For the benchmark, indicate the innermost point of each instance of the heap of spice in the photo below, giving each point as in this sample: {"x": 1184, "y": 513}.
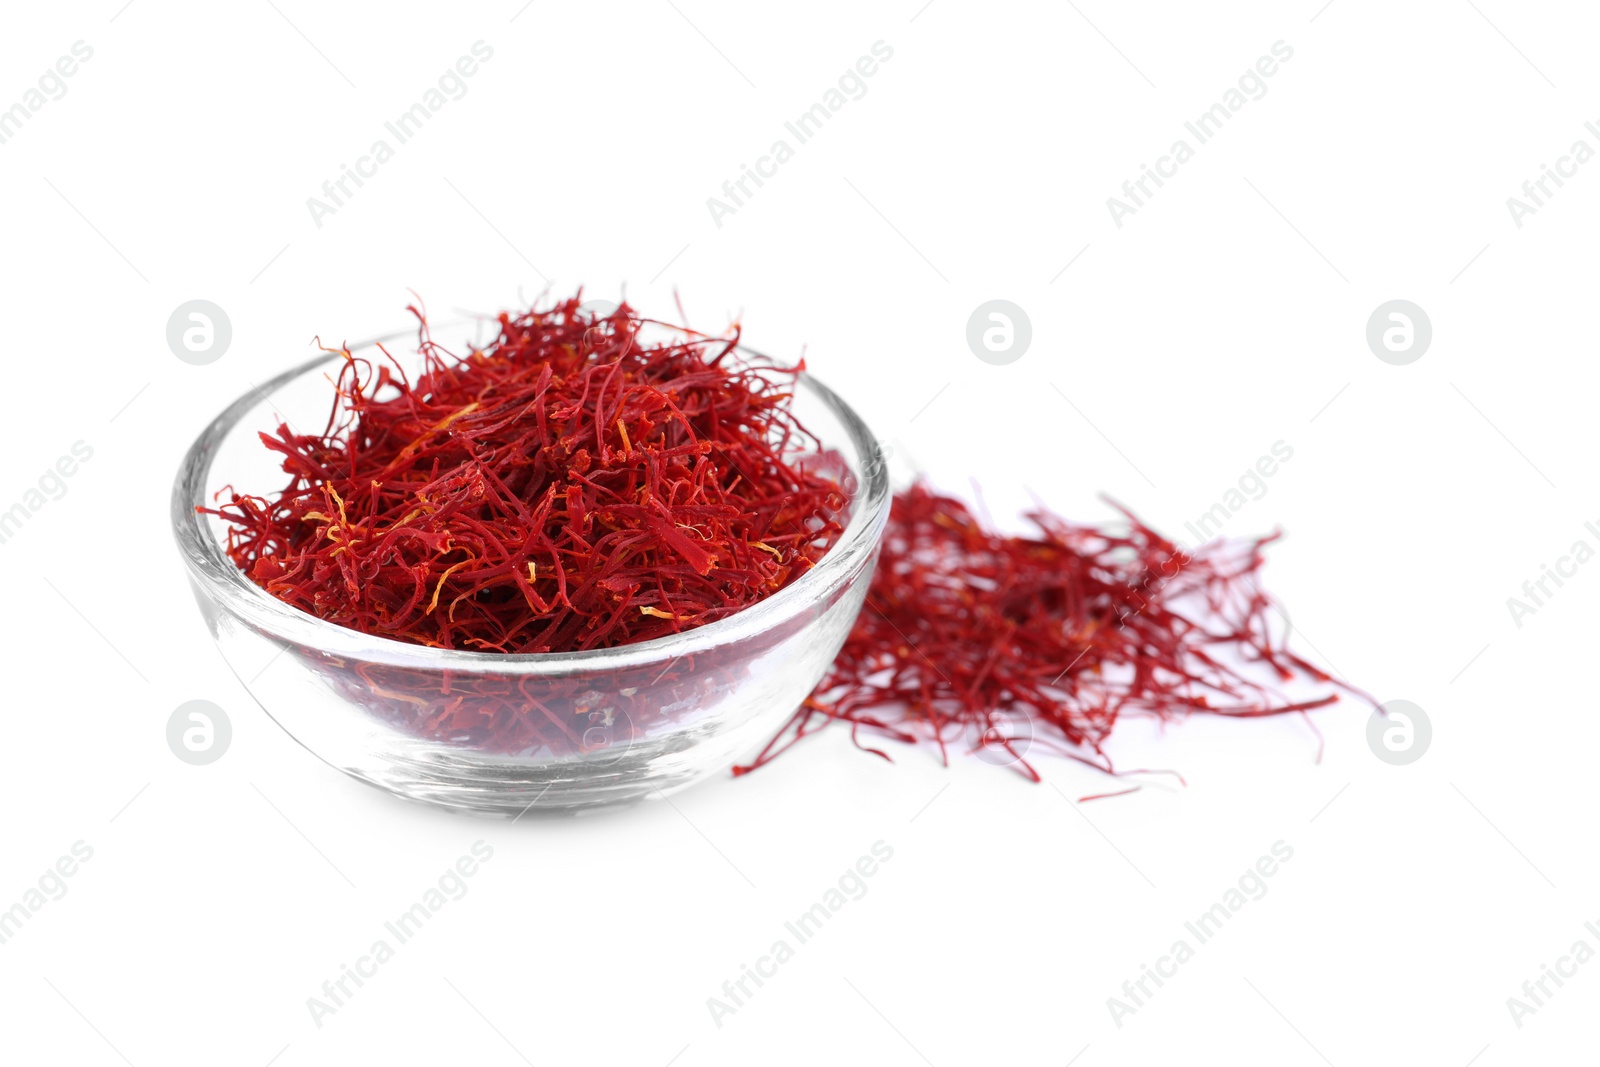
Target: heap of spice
{"x": 1003, "y": 644}
{"x": 571, "y": 487}
{"x": 564, "y": 488}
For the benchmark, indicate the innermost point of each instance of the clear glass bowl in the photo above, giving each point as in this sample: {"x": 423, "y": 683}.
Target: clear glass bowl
{"x": 635, "y": 722}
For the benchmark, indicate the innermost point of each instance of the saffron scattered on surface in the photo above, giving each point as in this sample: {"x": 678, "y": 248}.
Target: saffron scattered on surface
{"x": 1008, "y": 645}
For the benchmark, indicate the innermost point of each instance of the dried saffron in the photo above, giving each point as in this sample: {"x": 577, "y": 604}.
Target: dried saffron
{"x": 571, "y": 486}
{"x": 1002, "y": 643}
{"x": 567, "y": 487}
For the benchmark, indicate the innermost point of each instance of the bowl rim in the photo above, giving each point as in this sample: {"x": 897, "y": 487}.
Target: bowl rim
{"x": 215, "y": 576}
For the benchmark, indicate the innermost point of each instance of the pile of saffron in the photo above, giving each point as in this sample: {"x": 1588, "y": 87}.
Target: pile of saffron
{"x": 571, "y": 487}
{"x": 1004, "y": 645}
{"x": 564, "y": 488}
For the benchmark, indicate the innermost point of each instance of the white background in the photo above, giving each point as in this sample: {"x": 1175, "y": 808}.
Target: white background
{"x": 1227, "y": 314}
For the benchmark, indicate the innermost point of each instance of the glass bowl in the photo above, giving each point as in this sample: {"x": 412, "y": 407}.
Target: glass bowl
{"x": 441, "y": 726}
